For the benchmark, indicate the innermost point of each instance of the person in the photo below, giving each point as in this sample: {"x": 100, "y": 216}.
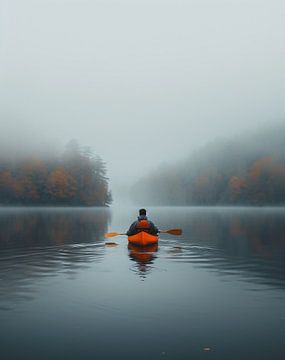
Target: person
{"x": 142, "y": 224}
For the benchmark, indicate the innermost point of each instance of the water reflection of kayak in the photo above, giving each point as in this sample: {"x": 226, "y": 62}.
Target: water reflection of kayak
{"x": 142, "y": 255}
{"x": 143, "y": 239}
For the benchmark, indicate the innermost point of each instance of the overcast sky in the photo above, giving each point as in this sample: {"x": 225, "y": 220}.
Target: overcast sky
{"x": 141, "y": 81}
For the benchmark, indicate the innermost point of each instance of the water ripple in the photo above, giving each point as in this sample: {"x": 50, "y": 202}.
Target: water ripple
{"x": 251, "y": 269}
{"x": 19, "y": 267}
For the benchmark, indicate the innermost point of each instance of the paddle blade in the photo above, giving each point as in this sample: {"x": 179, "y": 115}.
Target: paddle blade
{"x": 173, "y": 231}
{"x": 107, "y": 235}
{"x": 112, "y": 234}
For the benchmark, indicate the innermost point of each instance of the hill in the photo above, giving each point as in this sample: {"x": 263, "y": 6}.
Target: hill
{"x": 245, "y": 170}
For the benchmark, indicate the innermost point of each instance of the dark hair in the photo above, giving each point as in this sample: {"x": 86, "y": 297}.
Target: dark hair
{"x": 142, "y": 211}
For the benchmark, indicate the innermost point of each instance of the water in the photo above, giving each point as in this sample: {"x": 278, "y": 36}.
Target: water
{"x": 217, "y": 292}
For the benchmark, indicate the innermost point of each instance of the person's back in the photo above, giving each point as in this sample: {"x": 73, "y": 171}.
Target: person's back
{"x": 142, "y": 224}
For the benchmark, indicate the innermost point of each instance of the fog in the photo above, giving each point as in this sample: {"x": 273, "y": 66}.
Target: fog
{"x": 141, "y": 82}
{"x": 244, "y": 170}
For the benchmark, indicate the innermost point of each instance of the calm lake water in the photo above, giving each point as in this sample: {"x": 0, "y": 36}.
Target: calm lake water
{"x": 217, "y": 292}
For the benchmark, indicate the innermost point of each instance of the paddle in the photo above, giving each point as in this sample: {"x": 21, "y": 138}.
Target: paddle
{"x": 170, "y": 231}
{"x": 112, "y": 234}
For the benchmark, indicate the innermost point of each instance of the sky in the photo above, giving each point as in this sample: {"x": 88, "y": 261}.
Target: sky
{"x": 141, "y": 82}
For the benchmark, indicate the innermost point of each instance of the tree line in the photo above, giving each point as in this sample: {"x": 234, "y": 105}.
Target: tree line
{"x": 76, "y": 177}
{"x": 245, "y": 171}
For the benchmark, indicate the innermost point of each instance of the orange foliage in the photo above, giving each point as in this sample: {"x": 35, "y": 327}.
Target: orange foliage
{"x": 61, "y": 185}
{"x": 76, "y": 178}
{"x": 6, "y": 178}
{"x": 7, "y": 182}
{"x": 236, "y": 183}
{"x": 260, "y": 166}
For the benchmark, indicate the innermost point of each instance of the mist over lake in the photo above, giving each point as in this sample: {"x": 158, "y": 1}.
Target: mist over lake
{"x": 142, "y": 179}
{"x": 141, "y": 82}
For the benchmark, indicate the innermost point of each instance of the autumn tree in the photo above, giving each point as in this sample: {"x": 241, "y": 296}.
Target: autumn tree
{"x": 61, "y": 186}
{"x": 78, "y": 177}
{"x": 248, "y": 170}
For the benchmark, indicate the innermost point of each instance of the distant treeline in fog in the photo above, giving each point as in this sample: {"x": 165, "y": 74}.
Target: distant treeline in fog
{"x": 246, "y": 170}
{"x": 76, "y": 177}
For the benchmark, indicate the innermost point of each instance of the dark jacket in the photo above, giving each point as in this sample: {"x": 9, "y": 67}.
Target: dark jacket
{"x": 133, "y": 228}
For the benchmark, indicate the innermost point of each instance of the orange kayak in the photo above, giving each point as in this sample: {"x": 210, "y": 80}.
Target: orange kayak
{"x": 143, "y": 239}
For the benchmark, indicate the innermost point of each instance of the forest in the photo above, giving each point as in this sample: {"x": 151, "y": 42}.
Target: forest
{"x": 77, "y": 177}
{"x": 245, "y": 170}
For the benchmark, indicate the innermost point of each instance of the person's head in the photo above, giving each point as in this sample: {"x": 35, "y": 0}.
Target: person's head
{"x": 142, "y": 212}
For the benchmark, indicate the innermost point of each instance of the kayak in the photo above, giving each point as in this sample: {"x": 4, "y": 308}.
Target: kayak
{"x": 143, "y": 239}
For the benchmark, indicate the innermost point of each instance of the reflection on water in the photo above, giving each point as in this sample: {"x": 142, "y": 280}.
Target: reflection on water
{"x": 237, "y": 232}
{"x": 24, "y": 228}
{"x": 220, "y": 286}
{"x": 247, "y": 241}
{"x": 143, "y": 257}
{"x": 39, "y": 242}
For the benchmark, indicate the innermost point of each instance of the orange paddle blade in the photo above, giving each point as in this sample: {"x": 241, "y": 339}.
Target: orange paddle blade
{"x": 112, "y": 234}
{"x": 173, "y": 231}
